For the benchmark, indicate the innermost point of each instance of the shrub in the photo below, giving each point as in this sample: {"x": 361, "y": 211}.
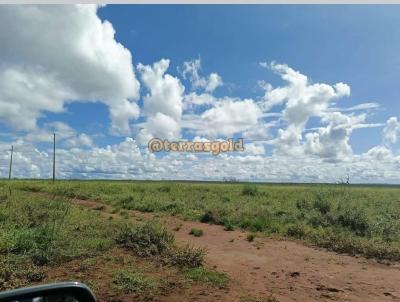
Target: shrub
{"x": 296, "y": 230}
{"x": 250, "y": 190}
{"x": 355, "y": 219}
{"x": 185, "y": 256}
{"x": 343, "y": 242}
{"x": 322, "y": 205}
{"x": 148, "y": 239}
{"x": 387, "y": 227}
{"x": 209, "y": 217}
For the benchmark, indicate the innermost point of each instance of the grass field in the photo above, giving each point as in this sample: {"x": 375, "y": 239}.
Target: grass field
{"x": 40, "y": 236}
{"x": 38, "y": 231}
{"x": 351, "y": 219}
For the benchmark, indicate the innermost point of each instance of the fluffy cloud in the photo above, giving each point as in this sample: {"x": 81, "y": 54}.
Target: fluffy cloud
{"x": 45, "y": 134}
{"x": 193, "y": 99}
{"x": 254, "y": 149}
{"x": 302, "y": 100}
{"x": 229, "y": 117}
{"x": 65, "y": 135}
{"x": 163, "y": 104}
{"x": 53, "y": 55}
{"x": 127, "y": 161}
{"x": 81, "y": 140}
{"x": 391, "y": 132}
{"x": 190, "y": 71}
{"x": 379, "y": 153}
{"x": 332, "y": 142}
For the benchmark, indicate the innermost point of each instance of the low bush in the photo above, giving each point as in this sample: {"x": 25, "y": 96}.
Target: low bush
{"x": 355, "y": 219}
{"x": 250, "y": 190}
{"x": 147, "y": 239}
{"x": 209, "y": 217}
{"x": 185, "y": 256}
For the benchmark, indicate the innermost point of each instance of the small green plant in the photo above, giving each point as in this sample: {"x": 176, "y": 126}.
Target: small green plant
{"x": 250, "y": 190}
{"x": 177, "y": 227}
{"x": 249, "y": 298}
{"x": 229, "y": 227}
{"x": 250, "y": 237}
{"x": 202, "y": 274}
{"x": 196, "y": 232}
{"x": 135, "y": 282}
{"x": 18, "y": 271}
{"x": 127, "y": 202}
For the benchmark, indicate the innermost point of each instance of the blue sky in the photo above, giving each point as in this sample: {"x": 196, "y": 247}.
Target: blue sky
{"x": 358, "y": 45}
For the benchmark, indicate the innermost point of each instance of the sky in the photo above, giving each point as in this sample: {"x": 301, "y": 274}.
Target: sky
{"x": 312, "y": 89}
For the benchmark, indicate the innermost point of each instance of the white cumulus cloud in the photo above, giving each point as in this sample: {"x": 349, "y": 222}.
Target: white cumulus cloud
{"x": 163, "y": 104}
{"x": 391, "y": 132}
{"x": 190, "y": 71}
{"x": 53, "y": 55}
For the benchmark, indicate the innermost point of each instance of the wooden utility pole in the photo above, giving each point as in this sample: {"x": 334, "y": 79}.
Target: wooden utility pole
{"x": 54, "y": 157}
{"x": 9, "y": 172}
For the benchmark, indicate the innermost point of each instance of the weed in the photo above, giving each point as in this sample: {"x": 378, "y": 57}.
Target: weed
{"x": 249, "y": 298}
{"x": 296, "y": 230}
{"x": 250, "y": 190}
{"x": 196, "y": 232}
{"x": 177, "y": 227}
{"x": 202, "y": 274}
{"x": 250, "y": 237}
{"x": 322, "y": 204}
{"x": 99, "y": 208}
{"x": 148, "y": 239}
{"x": 185, "y": 256}
{"x": 229, "y": 227}
{"x": 135, "y": 282}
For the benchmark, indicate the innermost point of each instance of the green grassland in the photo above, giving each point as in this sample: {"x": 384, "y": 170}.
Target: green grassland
{"x": 41, "y": 234}
{"x": 344, "y": 218}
